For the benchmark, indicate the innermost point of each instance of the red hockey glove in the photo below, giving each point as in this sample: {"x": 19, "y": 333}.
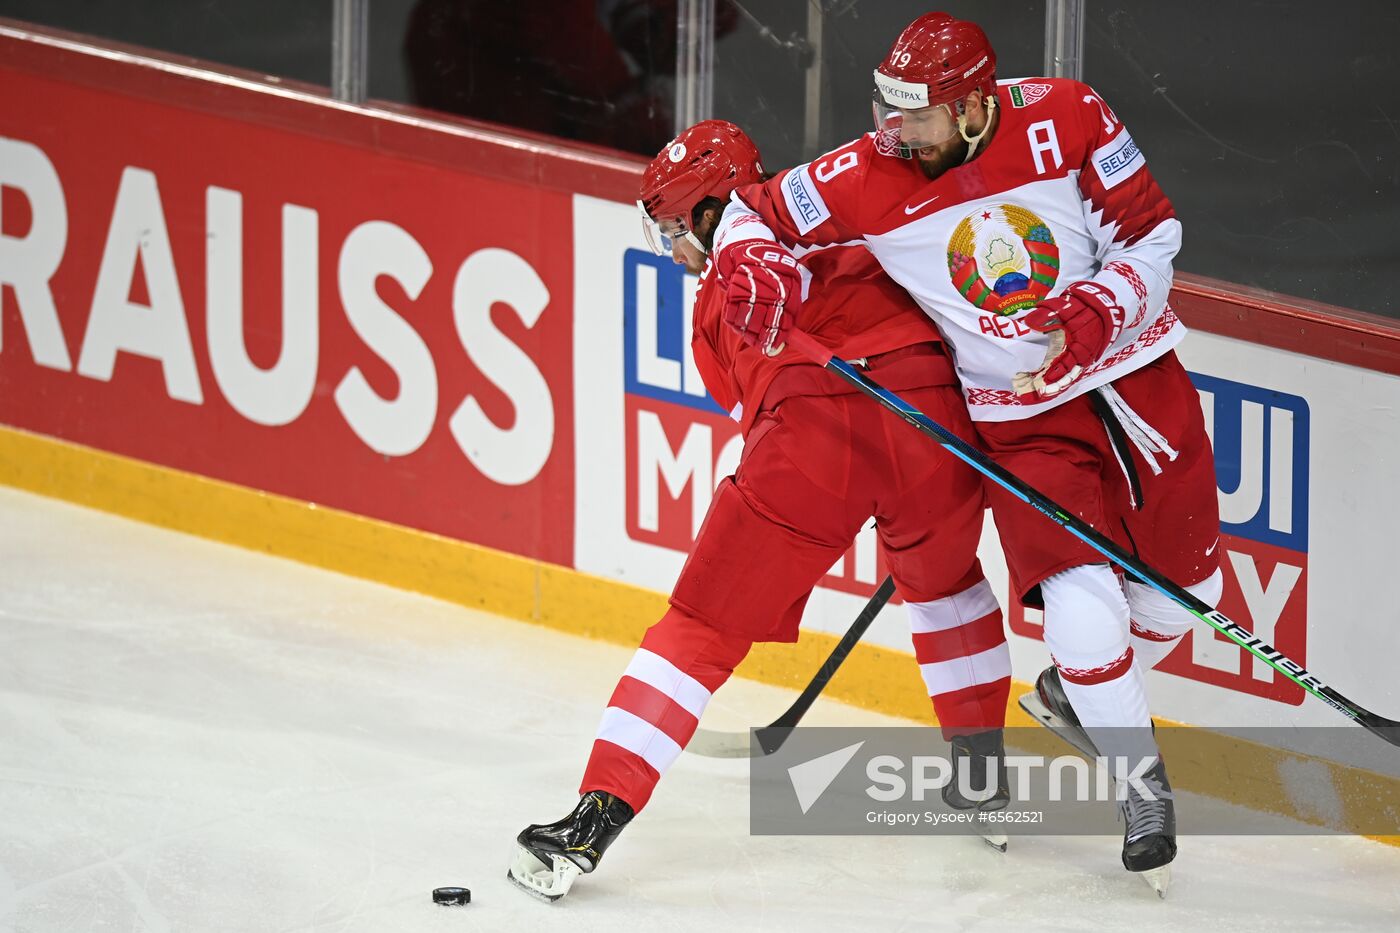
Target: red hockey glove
{"x": 1082, "y": 323}
{"x": 763, "y": 292}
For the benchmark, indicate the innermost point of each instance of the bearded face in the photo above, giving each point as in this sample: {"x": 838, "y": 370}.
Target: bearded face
{"x": 935, "y": 160}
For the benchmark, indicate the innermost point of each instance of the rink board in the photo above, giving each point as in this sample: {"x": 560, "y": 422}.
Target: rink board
{"x": 440, "y": 355}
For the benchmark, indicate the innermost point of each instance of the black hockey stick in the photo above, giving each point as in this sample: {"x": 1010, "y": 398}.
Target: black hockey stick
{"x": 771, "y": 737}
{"x": 1388, "y": 729}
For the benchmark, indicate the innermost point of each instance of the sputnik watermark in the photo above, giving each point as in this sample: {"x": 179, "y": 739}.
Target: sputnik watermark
{"x": 957, "y": 819}
{"x": 1086, "y": 782}
{"x": 910, "y": 780}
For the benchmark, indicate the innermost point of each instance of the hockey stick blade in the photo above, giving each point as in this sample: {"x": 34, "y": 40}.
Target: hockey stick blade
{"x": 714, "y": 744}
{"x": 1387, "y": 729}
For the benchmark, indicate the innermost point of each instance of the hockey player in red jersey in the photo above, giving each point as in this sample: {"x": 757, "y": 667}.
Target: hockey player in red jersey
{"x": 819, "y": 461}
{"x": 1022, "y": 218}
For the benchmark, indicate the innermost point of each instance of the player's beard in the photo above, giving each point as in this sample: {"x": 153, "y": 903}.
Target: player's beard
{"x": 935, "y": 160}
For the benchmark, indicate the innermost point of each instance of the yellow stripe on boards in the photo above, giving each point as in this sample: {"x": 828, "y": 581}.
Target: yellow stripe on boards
{"x": 873, "y": 677}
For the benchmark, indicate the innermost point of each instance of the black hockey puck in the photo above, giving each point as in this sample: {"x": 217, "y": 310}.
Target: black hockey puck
{"x": 451, "y": 896}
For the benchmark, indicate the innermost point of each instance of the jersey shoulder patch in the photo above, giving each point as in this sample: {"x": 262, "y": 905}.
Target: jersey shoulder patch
{"x": 1116, "y": 160}
{"x": 805, "y": 203}
{"x": 1027, "y": 93}
{"x": 1023, "y": 93}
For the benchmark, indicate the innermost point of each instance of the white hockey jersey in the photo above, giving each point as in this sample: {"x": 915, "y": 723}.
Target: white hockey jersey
{"x": 1061, "y": 194}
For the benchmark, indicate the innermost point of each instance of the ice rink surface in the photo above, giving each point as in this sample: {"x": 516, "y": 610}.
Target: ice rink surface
{"x": 199, "y": 738}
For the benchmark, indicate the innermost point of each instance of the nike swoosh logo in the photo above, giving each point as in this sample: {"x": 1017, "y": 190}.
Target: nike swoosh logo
{"x": 912, "y": 209}
{"x": 1211, "y": 550}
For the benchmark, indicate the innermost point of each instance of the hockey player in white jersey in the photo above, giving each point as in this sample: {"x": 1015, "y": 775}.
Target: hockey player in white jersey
{"x": 1022, "y": 218}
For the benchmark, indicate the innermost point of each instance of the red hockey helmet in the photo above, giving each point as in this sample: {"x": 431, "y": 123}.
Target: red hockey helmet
{"x": 708, "y": 160}
{"x": 929, "y": 71}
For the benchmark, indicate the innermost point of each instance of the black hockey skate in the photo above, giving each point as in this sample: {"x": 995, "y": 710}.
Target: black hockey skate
{"x": 980, "y": 756}
{"x": 1050, "y": 707}
{"x": 1149, "y": 836}
{"x": 549, "y": 857}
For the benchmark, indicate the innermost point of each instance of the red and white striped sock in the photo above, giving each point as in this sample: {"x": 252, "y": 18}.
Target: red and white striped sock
{"x": 657, "y": 705}
{"x": 960, "y": 644}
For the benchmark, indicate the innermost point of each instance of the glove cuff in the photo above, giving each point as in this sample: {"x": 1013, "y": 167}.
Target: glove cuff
{"x": 754, "y": 252}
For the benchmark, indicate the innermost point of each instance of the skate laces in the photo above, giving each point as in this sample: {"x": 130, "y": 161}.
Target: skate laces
{"x": 615, "y": 809}
{"x": 1145, "y": 817}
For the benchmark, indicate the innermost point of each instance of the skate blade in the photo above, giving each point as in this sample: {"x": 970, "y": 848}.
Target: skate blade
{"x": 1158, "y": 879}
{"x": 547, "y": 882}
{"x": 1041, "y": 713}
{"x": 997, "y": 841}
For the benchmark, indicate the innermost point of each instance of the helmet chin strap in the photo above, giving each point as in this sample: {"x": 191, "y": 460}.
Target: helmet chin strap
{"x": 974, "y": 141}
{"x": 695, "y": 241}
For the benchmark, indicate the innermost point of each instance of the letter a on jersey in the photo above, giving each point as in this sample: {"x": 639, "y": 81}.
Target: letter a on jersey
{"x": 1042, "y": 139}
